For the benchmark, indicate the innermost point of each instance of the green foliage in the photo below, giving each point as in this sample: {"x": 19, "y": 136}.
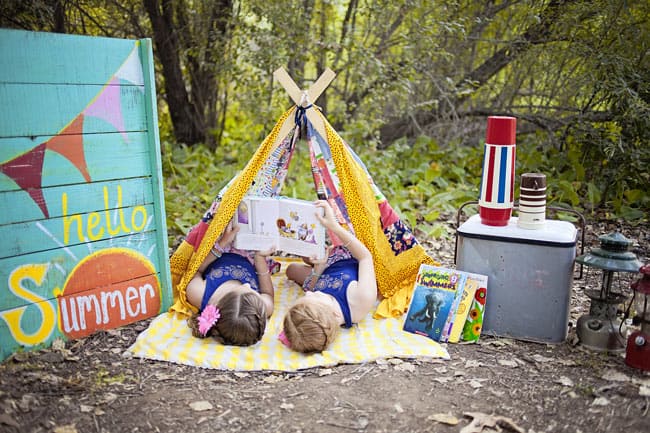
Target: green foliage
{"x": 415, "y": 82}
{"x": 193, "y": 177}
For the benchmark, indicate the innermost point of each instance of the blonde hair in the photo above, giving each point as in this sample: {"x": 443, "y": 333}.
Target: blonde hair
{"x": 242, "y": 321}
{"x": 310, "y": 328}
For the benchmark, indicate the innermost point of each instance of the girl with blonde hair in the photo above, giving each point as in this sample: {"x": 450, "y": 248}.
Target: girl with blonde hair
{"x": 339, "y": 291}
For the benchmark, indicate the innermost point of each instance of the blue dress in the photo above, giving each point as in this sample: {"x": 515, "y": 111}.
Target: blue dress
{"x": 229, "y": 266}
{"x": 335, "y": 281}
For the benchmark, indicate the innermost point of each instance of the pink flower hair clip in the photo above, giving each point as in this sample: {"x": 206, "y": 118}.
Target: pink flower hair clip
{"x": 208, "y": 318}
{"x": 284, "y": 340}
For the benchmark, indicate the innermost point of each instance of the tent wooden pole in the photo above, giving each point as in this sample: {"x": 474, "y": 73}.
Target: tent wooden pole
{"x": 304, "y": 98}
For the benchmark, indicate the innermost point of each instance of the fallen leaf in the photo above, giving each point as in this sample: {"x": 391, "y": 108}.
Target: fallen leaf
{"x": 616, "y": 376}
{"x": 84, "y": 408}
{"x": 6, "y": 419}
{"x": 564, "y": 381}
{"x": 475, "y": 384}
{"x": 20, "y": 356}
{"x": 362, "y": 423}
{"x": 507, "y": 363}
{"x": 443, "y": 418}
{"x": 273, "y": 379}
{"x": 407, "y": 366}
{"x": 199, "y": 406}
{"x": 286, "y": 406}
{"x": 325, "y": 372}
{"x": 481, "y": 420}
{"x": 108, "y": 398}
{"x": 541, "y": 359}
{"x": 68, "y": 428}
{"x": 600, "y": 401}
{"x": 58, "y": 344}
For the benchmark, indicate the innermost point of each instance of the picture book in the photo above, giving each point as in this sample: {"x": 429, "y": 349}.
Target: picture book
{"x": 474, "y": 322}
{"x": 442, "y": 302}
{"x": 286, "y": 223}
{"x": 473, "y": 283}
{"x": 432, "y": 300}
{"x": 451, "y": 316}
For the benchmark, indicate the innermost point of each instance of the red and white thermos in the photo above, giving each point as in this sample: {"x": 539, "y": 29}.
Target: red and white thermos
{"x": 498, "y": 179}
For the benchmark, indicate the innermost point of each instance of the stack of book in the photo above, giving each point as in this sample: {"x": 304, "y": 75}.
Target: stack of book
{"x": 447, "y": 305}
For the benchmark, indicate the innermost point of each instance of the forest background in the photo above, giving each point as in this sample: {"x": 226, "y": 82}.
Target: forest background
{"x": 416, "y": 80}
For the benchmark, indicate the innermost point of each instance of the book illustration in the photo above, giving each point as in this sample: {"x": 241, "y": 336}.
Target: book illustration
{"x": 431, "y": 302}
{"x": 288, "y": 224}
{"x": 242, "y": 213}
{"x": 474, "y": 322}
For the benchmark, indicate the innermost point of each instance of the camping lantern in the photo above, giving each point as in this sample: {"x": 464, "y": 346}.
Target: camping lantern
{"x": 638, "y": 343}
{"x": 598, "y": 330}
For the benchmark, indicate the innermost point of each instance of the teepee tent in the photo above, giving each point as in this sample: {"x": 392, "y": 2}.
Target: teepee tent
{"x": 339, "y": 177}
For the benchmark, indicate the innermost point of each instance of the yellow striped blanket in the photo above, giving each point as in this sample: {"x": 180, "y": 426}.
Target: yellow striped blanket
{"x": 168, "y": 338}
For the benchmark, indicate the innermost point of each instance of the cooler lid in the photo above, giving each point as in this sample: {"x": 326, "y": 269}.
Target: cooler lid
{"x": 553, "y": 233}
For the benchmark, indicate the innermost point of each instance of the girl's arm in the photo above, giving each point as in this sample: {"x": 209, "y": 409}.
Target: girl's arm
{"x": 227, "y": 237}
{"x": 367, "y": 279}
{"x": 354, "y": 245}
{"x": 267, "y": 291}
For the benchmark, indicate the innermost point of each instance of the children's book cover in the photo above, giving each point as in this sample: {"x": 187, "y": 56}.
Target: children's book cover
{"x": 473, "y": 283}
{"x": 474, "y": 322}
{"x": 452, "y": 317}
{"x": 288, "y": 224}
{"x": 432, "y": 300}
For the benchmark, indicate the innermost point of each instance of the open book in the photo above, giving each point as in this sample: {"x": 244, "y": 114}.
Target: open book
{"x": 289, "y": 224}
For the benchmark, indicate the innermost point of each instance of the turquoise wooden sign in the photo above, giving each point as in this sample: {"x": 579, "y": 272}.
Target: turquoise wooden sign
{"x": 82, "y": 220}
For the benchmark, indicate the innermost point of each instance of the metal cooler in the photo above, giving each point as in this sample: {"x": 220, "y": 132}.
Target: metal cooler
{"x": 530, "y": 275}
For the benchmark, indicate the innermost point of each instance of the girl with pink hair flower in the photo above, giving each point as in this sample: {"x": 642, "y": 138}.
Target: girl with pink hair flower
{"x": 234, "y": 293}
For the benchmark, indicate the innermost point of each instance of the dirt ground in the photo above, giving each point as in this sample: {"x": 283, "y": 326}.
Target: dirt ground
{"x": 499, "y": 384}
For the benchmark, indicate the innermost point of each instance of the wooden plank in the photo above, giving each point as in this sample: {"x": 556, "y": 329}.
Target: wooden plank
{"x": 98, "y": 196}
{"x": 58, "y": 265}
{"x": 321, "y": 84}
{"x": 158, "y": 183}
{"x": 55, "y": 58}
{"x": 107, "y": 156}
{"x": 82, "y": 228}
{"x": 28, "y": 110}
{"x": 288, "y": 84}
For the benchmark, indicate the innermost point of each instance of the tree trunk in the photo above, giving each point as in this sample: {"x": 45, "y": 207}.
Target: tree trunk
{"x": 181, "y": 110}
